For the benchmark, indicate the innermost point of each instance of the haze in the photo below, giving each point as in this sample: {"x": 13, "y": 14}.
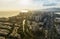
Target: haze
{"x": 9, "y": 5}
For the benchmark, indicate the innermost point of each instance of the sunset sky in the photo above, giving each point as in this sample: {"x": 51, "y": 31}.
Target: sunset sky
{"x": 28, "y": 4}
{"x": 7, "y": 5}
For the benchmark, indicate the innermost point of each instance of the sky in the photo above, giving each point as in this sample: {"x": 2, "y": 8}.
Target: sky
{"x": 28, "y": 4}
{"x": 17, "y": 5}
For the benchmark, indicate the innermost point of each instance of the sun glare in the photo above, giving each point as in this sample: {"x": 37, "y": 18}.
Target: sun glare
{"x": 24, "y": 10}
{"x": 24, "y": 2}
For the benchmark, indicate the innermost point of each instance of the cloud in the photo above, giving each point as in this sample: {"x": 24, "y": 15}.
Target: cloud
{"x": 47, "y": 2}
{"x": 51, "y": 4}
